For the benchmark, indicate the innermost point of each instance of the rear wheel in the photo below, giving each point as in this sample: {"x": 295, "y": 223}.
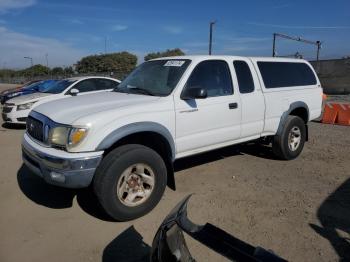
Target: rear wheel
{"x": 130, "y": 181}
{"x": 289, "y": 144}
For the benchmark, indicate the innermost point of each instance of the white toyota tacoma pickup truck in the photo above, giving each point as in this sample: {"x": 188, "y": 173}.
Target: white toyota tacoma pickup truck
{"x": 124, "y": 142}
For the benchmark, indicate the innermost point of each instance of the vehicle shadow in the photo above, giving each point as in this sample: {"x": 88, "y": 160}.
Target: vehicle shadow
{"x": 205, "y": 158}
{"x": 334, "y": 216}
{"x": 128, "y": 246}
{"x": 13, "y": 126}
{"x": 258, "y": 150}
{"x": 37, "y": 190}
{"x": 254, "y": 149}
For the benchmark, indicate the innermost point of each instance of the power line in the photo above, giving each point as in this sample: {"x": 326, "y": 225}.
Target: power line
{"x": 30, "y": 58}
{"x": 299, "y": 39}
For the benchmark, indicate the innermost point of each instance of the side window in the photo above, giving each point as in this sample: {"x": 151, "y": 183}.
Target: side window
{"x": 244, "y": 77}
{"x": 212, "y": 75}
{"x": 86, "y": 86}
{"x": 103, "y": 84}
{"x": 286, "y": 74}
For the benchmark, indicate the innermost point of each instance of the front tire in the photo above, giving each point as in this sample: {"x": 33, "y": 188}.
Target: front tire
{"x": 130, "y": 181}
{"x": 289, "y": 144}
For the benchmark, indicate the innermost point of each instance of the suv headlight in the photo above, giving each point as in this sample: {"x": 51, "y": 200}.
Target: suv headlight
{"x": 25, "y": 106}
{"x": 66, "y": 136}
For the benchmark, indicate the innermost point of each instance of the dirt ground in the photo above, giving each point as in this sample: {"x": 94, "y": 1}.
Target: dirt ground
{"x": 300, "y": 209}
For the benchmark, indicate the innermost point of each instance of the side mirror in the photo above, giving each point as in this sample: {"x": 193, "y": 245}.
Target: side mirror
{"x": 194, "y": 93}
{"x": 74, "y": 91}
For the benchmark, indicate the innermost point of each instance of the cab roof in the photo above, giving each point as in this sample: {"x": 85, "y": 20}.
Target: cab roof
{"x": 229, "y": 57}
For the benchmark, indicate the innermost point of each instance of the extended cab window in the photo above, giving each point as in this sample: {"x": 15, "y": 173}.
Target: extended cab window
{"x": 244, "y": 77}
{"x": 158, "y": 77}
{"x": 286, "y": 74}
{"x": 213, "y": 76}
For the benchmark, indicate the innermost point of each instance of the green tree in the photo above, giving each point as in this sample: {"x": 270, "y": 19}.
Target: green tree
{"x": 119, "y": 63}
{"x": 168, "y": 52}
{"x": 57, "y": 71}
{"x": 69, "y": 70}
{"x": 35, "y": 70}
{"x": 7, "y": 73}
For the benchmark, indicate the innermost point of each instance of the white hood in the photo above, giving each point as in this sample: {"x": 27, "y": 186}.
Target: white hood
{"x": 67, "y": 110}
{"x": 28, "y": 98}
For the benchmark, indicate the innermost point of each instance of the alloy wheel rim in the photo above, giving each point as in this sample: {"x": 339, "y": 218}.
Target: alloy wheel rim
{"x": 135, "y": 185}
{"x": 294, "y": 138}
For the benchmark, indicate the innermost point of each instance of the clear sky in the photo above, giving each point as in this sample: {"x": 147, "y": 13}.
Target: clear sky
{"x": 68, "y": 30}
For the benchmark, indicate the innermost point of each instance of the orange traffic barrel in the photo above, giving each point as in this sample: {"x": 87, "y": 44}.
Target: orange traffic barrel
{"x": 344, "y": 115}
{"x": 330, "y": 114}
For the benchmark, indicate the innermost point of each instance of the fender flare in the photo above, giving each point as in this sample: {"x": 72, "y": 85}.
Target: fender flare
{"x": 134, "y": 128}
{"x": 292, "y": 106}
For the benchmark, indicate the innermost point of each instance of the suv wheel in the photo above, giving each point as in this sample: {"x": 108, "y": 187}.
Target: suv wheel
{"x": 130, "y": 181}
{"x": 289, "y": 144}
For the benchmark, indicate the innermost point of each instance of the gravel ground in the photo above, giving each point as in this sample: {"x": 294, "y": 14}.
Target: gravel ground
{"x": 300, "y": 208}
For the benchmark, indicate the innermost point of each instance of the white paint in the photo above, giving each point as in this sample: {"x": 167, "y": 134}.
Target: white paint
{"x": 41, "y": 98}
{"x": 196, "y": 126}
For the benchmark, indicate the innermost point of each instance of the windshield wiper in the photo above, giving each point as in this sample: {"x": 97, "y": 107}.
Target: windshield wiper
{"x": 137, "y": 89}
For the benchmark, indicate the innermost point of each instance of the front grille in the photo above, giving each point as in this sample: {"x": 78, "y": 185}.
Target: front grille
{"x": 22, "y": 119}
{"x": 35, "y": 128}
{"x": 7, "y": 109}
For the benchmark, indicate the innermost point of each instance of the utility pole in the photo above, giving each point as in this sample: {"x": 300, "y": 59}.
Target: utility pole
{"x": 211, "y": 36}
{"x": 30, "y": 58}
{"x": 47, "y": 60}
{"x": 274, "y": 45}
{"x": 318, "y": 43}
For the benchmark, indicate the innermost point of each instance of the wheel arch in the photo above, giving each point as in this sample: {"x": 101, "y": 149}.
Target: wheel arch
{"x": 149, "y": 134}
{"x": 299, "y": 109}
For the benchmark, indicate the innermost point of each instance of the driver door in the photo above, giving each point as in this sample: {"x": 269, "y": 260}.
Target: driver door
{"x": 204, "y": 124}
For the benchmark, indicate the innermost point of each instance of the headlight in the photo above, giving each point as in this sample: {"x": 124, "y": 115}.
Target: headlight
{"x": 13, "y": 94}
{"x": 25, "y": 106}
{"x": 66, "y": 136}
{"x": 59, "y": 135}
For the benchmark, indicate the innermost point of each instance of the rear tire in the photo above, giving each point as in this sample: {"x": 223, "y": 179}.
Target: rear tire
{"x": 289, "y": 144}
{"x": 130, "y": 181}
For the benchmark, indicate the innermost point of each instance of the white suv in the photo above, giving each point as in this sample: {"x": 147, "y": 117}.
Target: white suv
{"x": 17, "y": 109}
{"x": 126, "y": 141}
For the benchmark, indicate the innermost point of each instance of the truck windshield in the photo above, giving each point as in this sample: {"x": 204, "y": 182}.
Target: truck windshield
{"x": 157, "y": 78}
{"x": 56, "y": 87}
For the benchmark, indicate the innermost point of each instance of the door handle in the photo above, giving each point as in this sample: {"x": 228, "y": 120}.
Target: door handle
{"x": 232, "y": 105}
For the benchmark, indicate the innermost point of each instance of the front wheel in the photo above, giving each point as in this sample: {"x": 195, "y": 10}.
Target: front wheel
{"x": 130, "y": 181}
{"x": 289, "y": 144}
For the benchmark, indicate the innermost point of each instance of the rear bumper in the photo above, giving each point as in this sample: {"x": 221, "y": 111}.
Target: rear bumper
{"x": 57, "y": 167}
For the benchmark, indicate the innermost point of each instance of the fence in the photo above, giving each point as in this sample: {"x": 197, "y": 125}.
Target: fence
{"x": 334, "y": 75}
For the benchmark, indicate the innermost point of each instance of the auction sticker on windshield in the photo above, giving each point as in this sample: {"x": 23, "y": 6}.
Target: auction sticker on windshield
{"x": 174, "y": 63}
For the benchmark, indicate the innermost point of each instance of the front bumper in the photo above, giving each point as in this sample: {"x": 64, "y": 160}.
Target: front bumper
{"x": 11, "y": 115}
{"x": 57, "y": 167}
